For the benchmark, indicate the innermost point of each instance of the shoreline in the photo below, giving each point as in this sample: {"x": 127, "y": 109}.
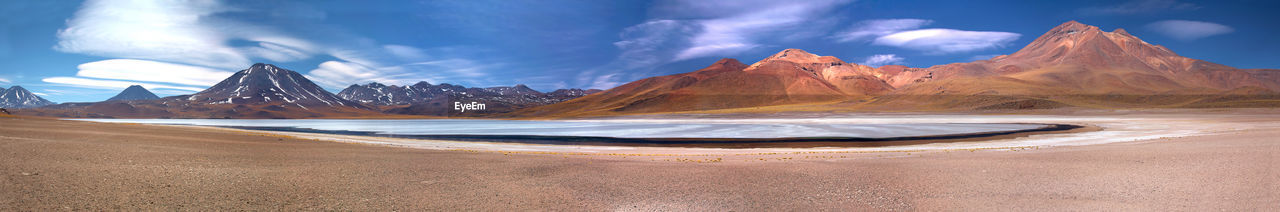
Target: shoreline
{"x": 1097, "y": 130}
{"x": 728, "y": 143}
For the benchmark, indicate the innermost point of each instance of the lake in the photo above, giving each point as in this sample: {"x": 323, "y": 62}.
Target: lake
{"x": 479, "y": 129}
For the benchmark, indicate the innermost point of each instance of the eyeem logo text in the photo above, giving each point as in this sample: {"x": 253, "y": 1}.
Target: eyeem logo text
{"x": 464, "y": 107}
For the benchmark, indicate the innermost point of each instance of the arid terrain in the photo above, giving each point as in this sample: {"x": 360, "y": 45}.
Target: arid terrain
{"x": 1199, "y": 160}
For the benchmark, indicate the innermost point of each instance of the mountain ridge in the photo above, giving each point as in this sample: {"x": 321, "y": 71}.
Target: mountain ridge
{"x": 423, "y": 98}
{"x": 1071, "y": 65}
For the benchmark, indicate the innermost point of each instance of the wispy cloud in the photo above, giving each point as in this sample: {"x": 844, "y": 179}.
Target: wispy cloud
{"x": 870, "y": 29}
{"x": 883, "y": 59}
{"x": 944, "y": 41}
{"x": 196, "y": 39}
{"x": 683, "y": 30}
{"x": 1188, "y": 30}
{"x": 906, "y": 33}
{"x": 152, "y": 71}
{"x": 1139, "y": 7}
{"x": 5, "y": 81}
{"x": 339, "y": 74}
{"x": 111, "y": 84}
{"x": 743, "y": 31}
{"x": 172, "y": 31}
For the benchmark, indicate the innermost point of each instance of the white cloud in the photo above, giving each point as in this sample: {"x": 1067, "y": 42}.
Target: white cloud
{"x": 152, "y": 71}
{"x": 172, "y": 31}
{"x": 758, "y": 21}
{"x": 651, "y": 43}
{"x": 210, "y": 35}
{"x": 5, "y": 81}
{"x": 906, "y": 33}
{"x": 1188, "y": 30}
{"x": 943, "y": 41}
{"x": 340, "y": 74}
{"x": 875, "y": 28}
{"x": 683, "y": 30}
{"x": 111, "y": 84}
{"x": 1139, "y": 6}
{"x": 883, "y": 59}
{"x": 406, "y": 52}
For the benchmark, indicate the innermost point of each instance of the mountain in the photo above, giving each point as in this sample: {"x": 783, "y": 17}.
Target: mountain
{"x": 426, "y": 99}
{"x": 18, "y": 97}
{"x": 1075, "y": 58}
{"x": 791, "y": 76}
{"x": 571, "y": 93}
{"x": 134, "y": 92}
{"x": 268, "y": 84}
{"x": 1071, "y": 65}
{"x": 261, "y": 91}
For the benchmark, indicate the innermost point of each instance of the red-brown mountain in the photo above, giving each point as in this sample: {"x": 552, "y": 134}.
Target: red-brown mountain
{"x": 1071, "y": 65}
{"x": 788, "y": 77}
{"x": 1075, "y": 58}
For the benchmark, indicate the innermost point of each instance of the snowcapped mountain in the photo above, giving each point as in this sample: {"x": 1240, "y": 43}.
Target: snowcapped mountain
{"x": 426, "y": 99}
{"x": 571, "y": 93}
{"x": 379, "y": 94}
{"x": 261, "y": 91}
{"x": 18, "y": 97}
{"x": 268, "y": 84}
{"x": 134, "y": 92}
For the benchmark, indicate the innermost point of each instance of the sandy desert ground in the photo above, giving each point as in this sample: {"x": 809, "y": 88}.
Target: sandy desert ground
{"x": 1165, "y": 160}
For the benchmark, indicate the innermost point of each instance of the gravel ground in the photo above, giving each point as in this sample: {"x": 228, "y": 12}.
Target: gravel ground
{"x": 69, "y": 165}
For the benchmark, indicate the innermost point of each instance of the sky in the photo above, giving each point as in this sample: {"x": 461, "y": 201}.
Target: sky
{"x": 85, "y": 51}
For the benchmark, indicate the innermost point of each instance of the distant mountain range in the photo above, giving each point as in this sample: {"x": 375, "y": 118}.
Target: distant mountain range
{"x": 134, "y": 92}
{"x": 267, "y": 91}
{"x": 1071, "y": 65}
{"x": 426, "y": 99}
{"x": 18, "y": 97}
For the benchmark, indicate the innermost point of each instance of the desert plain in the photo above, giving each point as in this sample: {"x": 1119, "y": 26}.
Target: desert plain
{"x": 1191, "y": 159}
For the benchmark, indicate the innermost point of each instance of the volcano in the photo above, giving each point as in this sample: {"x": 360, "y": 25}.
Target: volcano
{"x": 261, "y": 91}
{"x": 1075, "y": 58}
{"x": 134, "y": 92}
{"x": 267, "y": 84}
{"x": 18, "y": 97}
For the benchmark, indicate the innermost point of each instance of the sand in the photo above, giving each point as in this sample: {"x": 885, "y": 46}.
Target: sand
{"x": 1223, "y": 161}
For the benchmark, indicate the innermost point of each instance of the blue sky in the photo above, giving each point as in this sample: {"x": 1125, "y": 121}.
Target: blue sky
{"x": 76, "y": 51}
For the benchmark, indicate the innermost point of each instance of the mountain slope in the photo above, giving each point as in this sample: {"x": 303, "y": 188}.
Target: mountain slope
{"x": 788, "y": 77}
{"x": 18, "y": 97}
{"x": 1075, "y": 58}
{"x": 268, "y": 84}
{"x": 134, "y": 92}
